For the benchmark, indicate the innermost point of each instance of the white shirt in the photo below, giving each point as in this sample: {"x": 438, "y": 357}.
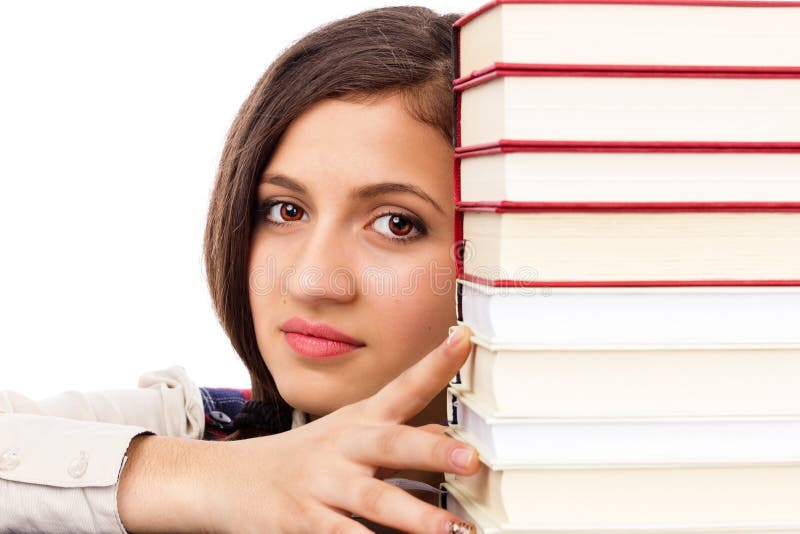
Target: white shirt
{"x": 60, "y": 458}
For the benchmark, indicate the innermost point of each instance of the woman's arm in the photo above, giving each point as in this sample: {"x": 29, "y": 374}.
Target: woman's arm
{"x": 309, "y": 479}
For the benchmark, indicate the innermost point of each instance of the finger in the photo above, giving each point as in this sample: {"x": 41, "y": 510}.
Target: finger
{"x": 392, "y": 507}
{"x": 405, "y": 447}
{"x": 413, "y": 390}
{"x": 310, "y": 516}
{"x": 434, "y": 428}
{"x": 327, "y": 520}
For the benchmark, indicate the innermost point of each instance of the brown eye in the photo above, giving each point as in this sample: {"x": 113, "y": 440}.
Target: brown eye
{"x": 400, "y": 226}
{"x": 290, "y": 212}
{"x": 285, "y": 212}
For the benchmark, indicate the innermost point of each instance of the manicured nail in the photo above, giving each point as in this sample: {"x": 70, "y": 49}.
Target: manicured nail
{"x": 461, "y": 457}
{"x": 456, "y": 333}
{"x": 459, "y": 527}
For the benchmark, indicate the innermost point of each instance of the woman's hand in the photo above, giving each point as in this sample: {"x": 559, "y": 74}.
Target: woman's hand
{"x": 309, "y": 479}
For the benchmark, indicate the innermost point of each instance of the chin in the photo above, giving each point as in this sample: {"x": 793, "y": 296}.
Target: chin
{"x": 318, "y": 399}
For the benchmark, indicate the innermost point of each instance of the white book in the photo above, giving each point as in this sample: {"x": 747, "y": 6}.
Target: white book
{"x": 459, "y": 503}
{"x": 619, "y": 499}
{"x": 644, "y": 33}
{"x": 629, "y": 109}
{"x": 608, "y": 176}
{"x": 622, "y": 383}
{"x": 585, "y": 441}
{"x": 632, "y": 317}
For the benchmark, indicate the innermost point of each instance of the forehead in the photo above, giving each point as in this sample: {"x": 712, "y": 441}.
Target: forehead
{"x": 336, "y": 143}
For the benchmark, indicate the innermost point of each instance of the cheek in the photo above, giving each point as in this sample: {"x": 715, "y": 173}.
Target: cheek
{"x": 260, "y": 280}
{"x": 418, "y": 317}
{"x": 266, "y": 285}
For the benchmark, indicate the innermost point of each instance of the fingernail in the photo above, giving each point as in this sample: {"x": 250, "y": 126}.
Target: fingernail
{"x": 456, "y": 333}
{"x": 461, "y": 457}
{"x": 459, "y": 527}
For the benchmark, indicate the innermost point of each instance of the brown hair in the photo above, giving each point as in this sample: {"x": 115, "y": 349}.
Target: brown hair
{"x": 403, "y": 50}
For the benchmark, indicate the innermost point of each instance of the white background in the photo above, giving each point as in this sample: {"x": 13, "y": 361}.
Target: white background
{"x": 112, "y": 120}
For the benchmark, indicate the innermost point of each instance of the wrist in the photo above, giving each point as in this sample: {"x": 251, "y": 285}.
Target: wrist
{"x": 163, "y": 486}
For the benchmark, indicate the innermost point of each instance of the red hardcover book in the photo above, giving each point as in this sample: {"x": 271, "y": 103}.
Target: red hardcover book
{"x": 511, "y": 173}
{"x": 610, "y": 106}
{"x": 629, "y": 244}
{"x": 625, "y": 33}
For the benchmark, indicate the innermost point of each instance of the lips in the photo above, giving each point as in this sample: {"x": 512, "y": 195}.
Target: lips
{"x": 317, "y": 340}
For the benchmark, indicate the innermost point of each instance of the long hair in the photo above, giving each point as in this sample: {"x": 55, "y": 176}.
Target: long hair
{"x": 397, "y": 50}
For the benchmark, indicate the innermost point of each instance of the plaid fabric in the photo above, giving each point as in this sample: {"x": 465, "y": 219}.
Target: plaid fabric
{"x": 221, "y": 406}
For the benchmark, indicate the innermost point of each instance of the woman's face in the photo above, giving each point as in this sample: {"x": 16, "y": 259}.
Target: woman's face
{"x": 351, "y": 276}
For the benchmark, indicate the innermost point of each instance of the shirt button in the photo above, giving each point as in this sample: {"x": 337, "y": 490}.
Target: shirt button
{"x": 10, "y": 459}
{"x": 221, "y": 417}
{"x": 77, "y": 467}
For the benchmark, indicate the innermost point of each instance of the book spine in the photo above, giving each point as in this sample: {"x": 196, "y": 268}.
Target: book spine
{"x": 457, "y": 180}
{"x": 459, "y": 301}
{"x": 457, "y": 115}
{"x": 456, "y": 53}
{"x": 443, "y": 496}
{"x": 460, "y": 247}
{"x": 456, "y": 380}
{"x": 452, "y": 407}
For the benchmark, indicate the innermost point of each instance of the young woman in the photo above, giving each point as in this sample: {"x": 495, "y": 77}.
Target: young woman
{"x": 328, "y": 254}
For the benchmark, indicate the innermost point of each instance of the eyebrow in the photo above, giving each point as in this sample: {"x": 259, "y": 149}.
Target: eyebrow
{"x": 367, "y": 191}
{"x": 373, "y": 190}
{"x": 283, "y": 181}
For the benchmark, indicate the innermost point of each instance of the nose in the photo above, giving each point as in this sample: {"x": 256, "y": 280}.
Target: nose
{"x": 325, "y": 266}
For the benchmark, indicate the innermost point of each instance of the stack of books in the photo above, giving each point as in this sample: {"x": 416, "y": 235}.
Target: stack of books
{"x": 627, "y": 186}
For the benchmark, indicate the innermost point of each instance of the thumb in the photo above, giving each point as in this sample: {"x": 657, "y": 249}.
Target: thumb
{"x": 413, "y": 390}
